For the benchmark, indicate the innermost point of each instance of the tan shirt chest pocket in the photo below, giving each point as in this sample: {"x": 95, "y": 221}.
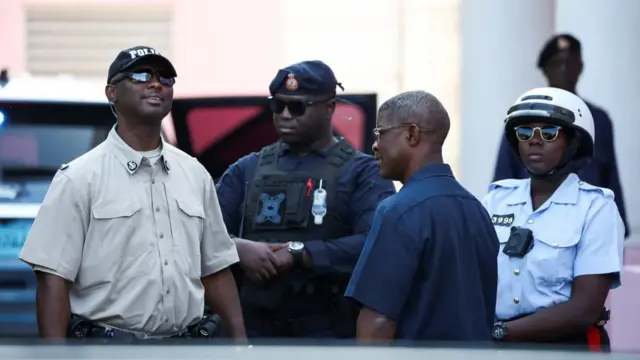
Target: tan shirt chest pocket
{"x": 117, "y": 244}
{"x": 551, "y": 259}
{"x": 187, "y": 223}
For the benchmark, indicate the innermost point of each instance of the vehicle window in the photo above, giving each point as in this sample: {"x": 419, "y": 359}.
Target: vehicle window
{"x": 46, "y": 145}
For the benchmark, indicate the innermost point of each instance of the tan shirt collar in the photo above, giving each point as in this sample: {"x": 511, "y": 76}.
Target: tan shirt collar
{"x": 130, "y": 158}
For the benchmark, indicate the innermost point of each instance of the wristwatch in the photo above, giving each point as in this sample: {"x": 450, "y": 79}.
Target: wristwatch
{"x": 296, "y": 249}
{"x": 499, "y": 331}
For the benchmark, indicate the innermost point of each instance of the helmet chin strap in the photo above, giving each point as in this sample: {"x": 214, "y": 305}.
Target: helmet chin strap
{"x": 566, "y": 164}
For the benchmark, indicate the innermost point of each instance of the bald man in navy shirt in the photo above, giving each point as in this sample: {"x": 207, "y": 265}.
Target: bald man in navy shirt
{"x": 428, "y": 271}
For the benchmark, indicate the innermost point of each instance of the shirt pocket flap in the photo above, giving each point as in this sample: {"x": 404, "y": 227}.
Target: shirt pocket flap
{"x": 115, "y": 210}
{"x": 557, "y": 239}
{"x": 190, "y": 207}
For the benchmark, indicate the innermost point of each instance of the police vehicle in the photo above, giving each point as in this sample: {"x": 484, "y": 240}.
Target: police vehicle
{"x": 44, "y": 122}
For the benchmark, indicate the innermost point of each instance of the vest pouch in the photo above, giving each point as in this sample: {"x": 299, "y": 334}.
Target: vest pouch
{"x": 284, "y": 203}
{"x": 266, "y": 296}
{"x": 299, "y": 208}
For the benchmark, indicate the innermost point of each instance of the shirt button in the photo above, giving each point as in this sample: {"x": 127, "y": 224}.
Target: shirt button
{"x": 166, "y": 319}
{"x": 168, "y": 291}
{"x": 530, "y": 221}
{"x": 161, "y": 235}
{"x": 516, "y": 272}
{"x": 580, "y": 182}
{"x": 166, "y": 262}
{"x": 157, "y": 208}
{"x": 153, "y": 181}
{"x": 516, "y": 300}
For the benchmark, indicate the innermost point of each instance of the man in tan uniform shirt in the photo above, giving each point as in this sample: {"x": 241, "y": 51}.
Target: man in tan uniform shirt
{"x": 130, "y": 235}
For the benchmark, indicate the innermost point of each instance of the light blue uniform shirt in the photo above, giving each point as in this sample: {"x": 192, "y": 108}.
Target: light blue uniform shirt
{"x": 577, "y": 231}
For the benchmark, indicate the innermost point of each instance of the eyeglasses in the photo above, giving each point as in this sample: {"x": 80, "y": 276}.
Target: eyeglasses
{"x": 379, "y": 131}
{"x": 547, "y": 133}
{"x": 145, "y": 76}
{"x": 296, "y": 107}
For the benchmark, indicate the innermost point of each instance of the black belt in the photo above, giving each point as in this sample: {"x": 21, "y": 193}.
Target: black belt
{"x": 81, "y": 328}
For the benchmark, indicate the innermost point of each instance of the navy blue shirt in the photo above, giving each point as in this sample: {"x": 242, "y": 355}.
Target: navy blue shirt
{"x": 359, "y": 190}
{"x": 429, "y": 262}
{"x": 602, "y": 171}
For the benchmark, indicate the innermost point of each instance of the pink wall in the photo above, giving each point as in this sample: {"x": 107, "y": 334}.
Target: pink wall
{"x": 12, "y": 53}
{"x": 624, "y": 302}
{"x": 209, "y": 61}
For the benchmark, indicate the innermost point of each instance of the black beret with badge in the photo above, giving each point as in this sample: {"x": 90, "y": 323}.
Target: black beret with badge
{"x": 558, "y": 43}
{"x": 307, "y": 78}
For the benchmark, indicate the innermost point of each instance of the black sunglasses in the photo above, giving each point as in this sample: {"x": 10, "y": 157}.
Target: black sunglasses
{"x": 145, "y": 76}
{"x": 296, "y": 107}
{"x": 547, "y": 133}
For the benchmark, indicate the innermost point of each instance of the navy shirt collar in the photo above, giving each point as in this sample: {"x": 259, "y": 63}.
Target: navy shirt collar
{"x": 429, "y": 171}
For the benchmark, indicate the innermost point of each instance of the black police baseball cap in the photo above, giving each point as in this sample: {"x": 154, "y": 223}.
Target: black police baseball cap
{"x": 129, "y": 58}
{"x": 307, "y": 78}
{"x": 558, "y": 43}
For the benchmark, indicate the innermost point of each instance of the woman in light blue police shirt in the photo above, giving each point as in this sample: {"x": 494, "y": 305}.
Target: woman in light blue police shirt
{"x": 561, "y": 238}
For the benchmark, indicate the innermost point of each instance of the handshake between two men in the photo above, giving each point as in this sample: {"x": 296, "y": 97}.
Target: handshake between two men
{"x": 262, "y": 262}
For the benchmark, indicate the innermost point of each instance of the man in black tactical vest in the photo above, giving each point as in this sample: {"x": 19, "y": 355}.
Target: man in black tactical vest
{"x": 301, "y": 209}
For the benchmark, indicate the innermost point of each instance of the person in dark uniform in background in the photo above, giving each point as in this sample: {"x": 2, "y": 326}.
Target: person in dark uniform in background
{"x": 299, "y": 210}
{"x": 428, "y": 270}
{"x": 561, "y": 63}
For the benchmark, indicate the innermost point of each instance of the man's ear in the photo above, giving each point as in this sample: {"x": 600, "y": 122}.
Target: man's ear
{"x": 331, "y": 108}
{"x": 580, "y": 67}
{"x": 110, "y": 93}
{"x": 413, "y": 135}
{"x": 545, "y": 73}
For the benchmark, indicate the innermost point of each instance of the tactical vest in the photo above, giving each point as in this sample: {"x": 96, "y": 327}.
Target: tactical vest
{"x": 279, "y": 202}
{"x": 278, "y": 209}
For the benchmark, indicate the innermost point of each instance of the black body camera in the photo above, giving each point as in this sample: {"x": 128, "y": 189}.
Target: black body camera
{"x": 519, "y": 243}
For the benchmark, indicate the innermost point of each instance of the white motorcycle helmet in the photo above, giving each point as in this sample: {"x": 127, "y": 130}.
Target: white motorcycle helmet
{"x": 556, "y": 107}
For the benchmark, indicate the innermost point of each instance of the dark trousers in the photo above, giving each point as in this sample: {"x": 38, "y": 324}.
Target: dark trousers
{"x": 270, "y": 325}
{"x": 311, "y": 310}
